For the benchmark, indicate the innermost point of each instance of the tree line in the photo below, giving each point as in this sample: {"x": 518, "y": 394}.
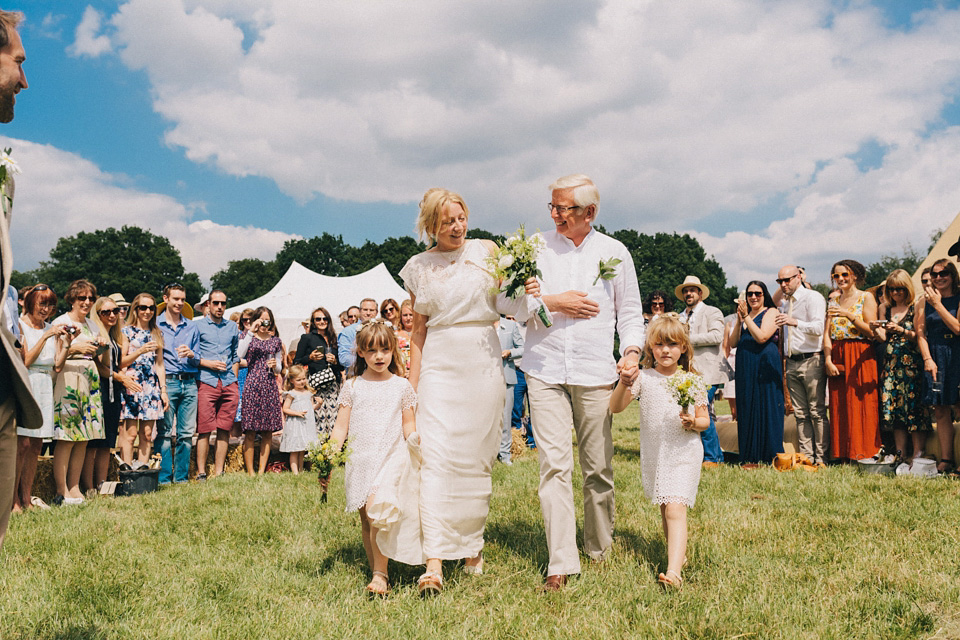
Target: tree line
{"x": 131, "y": 260}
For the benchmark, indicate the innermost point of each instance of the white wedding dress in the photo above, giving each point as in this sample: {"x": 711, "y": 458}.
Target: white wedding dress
{"x": 460, "y": 393}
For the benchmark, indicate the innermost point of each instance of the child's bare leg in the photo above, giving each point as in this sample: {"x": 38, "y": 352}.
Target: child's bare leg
{"x": 294, "y": 466}
{"x": 675, "y": 528}
{"x": 377, "y": 561}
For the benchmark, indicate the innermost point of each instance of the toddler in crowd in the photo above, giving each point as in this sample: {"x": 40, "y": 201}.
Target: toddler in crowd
{"x": 670, "y": 449}
{"x": 299, "y": 426}
{"x": 376, "y": 407}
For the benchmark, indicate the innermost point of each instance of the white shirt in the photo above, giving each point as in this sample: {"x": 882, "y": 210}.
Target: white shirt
{"x": 809, "y": 310}
{"x": 579, "y": 351}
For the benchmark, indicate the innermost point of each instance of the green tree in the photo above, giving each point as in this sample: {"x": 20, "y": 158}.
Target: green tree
{"x": 245, "y": 279}
{"x": 665, "y": 259}
{"x": 392, "y": 252}
{"x": 20, "y": 279}
{"x": 128, "y": 261}
{"x": 486, "y": 235}
{"x": 909, "y": 261}
{"x": 325, "y": 254}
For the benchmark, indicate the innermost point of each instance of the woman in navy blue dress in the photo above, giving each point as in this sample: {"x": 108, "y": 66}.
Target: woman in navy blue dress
{"x": 759, "y": 379}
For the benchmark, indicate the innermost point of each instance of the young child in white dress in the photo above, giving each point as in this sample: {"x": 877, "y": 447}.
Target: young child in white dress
{"x": 299, "y": 424}
{"x": 375, "y": 408}
{"x": 670, "y": 449}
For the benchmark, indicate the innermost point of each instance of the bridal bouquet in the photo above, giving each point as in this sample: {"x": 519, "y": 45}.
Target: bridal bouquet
{"x": 8, "y": 167}
{"x": 685, "y": 387}
{"x": 324, "y": 456}
{"x": 513, "y": 263}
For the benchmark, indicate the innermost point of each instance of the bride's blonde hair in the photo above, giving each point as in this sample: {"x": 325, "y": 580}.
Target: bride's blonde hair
{"x": 431, "y": 211}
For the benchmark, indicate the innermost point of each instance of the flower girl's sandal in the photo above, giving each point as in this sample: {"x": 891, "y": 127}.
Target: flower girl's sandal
{"x": 430, "y": 584}
{"x": 667, "y": 582}
{"x": 379, "y": 587}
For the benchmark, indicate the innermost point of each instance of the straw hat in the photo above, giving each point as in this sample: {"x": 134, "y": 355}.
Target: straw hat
{"x": 119, "y": 299}
{"x": 692, "y": 281}
{"x": 186, "y": 312}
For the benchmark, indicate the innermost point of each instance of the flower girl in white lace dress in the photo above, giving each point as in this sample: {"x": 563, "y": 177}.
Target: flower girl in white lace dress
{"x": 670, "y": 448}
{"x": 376, "y": 408}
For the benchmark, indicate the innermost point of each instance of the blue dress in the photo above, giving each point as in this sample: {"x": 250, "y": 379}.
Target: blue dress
{"x": 945, "y": 351}
{"x": 759, "y": 384}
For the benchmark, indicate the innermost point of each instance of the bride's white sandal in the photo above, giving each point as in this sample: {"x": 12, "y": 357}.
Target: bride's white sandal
{"x": 474, "y": 569}
{"x": 430, "y": 584}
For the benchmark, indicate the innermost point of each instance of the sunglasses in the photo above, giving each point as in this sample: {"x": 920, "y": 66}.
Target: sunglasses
{"x": 109, "y": 312}
{"x": 837, "y": 276}
{"x": 320, "y": 320}
{"x": 897, "y": 289}
{"x": 86, "y": 298}
{"x": 146, "y": 307}
{"x": 40, "y": 287}
{"x": 940, "y": 274}
{"x": 657, "y": 304}
{"x": 787, "y": 279}
{"x": 754, "y": 294}
{"x": 218, "y": 303}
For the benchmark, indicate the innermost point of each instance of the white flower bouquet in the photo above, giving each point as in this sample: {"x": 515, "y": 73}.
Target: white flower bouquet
{"x": 513, "y": 263}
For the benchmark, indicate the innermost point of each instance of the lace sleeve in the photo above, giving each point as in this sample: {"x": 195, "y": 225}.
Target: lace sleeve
{"x": 346, "y": 394}
{"x": 410, "y": 274}
{"x": 409, "y": 398}
{"x": 700, "y": 394}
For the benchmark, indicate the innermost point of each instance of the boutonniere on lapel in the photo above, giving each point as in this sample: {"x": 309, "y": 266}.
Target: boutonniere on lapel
{"x": 608, "y": 269}
{"x": 8, "y": 167}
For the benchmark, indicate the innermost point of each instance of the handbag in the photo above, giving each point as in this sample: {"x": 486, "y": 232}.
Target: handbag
{"x": 322, "y": 378}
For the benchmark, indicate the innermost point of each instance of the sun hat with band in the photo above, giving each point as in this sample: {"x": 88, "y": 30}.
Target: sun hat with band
{"x": 692, "y": 281}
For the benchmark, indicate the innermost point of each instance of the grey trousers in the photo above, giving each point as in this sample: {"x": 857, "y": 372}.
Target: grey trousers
{"x": 554, "y": 410}
{"x": 807, "y": 383}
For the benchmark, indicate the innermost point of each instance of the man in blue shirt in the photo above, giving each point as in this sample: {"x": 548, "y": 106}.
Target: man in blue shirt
{"x": 181, "y": 339}
{"x": 347, "y": 340}
{"x": 217, "y": 395}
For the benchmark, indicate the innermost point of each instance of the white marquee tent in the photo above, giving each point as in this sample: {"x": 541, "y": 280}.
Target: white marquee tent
{"x": 301, "y": 290}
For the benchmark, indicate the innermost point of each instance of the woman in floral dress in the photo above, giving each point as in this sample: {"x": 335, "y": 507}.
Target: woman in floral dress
{"x": 901, "y": 381}
{"x": 78, "y": 410}
{"x": 141, "y": 410}
{"x": 260, "y": 403}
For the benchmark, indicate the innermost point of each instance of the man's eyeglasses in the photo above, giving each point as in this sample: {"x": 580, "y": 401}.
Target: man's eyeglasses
{"x": 561, "y": 210}
{"x": 787, "y": 279}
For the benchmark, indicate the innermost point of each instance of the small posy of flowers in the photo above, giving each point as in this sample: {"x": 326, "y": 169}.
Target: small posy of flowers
{"x": 8, "y": 167}
{"x": 514, "y": 262}
{"x": 686, "y": 387}
{"x": 607, "y": 270}
{"x": 323, "y": 455}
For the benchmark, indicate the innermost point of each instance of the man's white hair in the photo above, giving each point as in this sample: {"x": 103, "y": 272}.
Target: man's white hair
{"x": 585, "y": 193}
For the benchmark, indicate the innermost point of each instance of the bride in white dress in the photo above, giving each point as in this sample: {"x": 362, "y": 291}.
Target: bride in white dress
{"x": 455, "y": 367}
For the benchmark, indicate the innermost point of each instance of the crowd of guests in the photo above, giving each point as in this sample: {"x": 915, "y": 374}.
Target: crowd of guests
{"x": 141, "y": 378}
{"x": 863, "y": 370}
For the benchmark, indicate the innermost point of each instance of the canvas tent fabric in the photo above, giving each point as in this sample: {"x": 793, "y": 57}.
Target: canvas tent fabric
{"x": 301, "y": 290}
{"x": 949, "y": 236}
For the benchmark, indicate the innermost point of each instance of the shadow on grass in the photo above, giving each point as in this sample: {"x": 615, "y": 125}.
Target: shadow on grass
{"x": 73, "y": 632}
{"x": 649, "y": 552}
{"x": 525, "y": 542}
{"x": 626, "y": 453}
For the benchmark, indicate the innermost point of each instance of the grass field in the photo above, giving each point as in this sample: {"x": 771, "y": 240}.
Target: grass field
{"x": 794, "y": 555}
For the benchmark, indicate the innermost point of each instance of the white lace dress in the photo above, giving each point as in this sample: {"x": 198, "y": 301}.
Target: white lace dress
{"x": 376, "y": 423}
{"x": 670, "y": 456}
{"x": 461, "y": 394}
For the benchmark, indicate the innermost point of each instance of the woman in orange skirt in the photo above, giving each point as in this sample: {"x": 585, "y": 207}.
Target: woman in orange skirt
{"x": 851, "y": 366}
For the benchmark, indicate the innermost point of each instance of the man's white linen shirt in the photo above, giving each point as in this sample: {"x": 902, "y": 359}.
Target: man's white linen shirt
{"x": 809, "y": 310}
{"x": 579, "y": 351}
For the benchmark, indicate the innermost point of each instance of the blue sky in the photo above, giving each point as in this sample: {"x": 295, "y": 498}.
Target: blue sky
{"x": 773, "y": 131}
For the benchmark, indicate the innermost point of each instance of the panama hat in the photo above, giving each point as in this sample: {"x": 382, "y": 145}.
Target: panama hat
{"x": 119, "y": 299}
{"x": 692, "y": 281}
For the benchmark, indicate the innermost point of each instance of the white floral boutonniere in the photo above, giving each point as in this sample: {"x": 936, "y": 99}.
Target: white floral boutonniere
{"x": 608, "y": 269}
{"x": 8, "y": 167}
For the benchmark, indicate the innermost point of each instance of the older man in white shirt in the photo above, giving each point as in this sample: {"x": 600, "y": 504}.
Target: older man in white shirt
{"x": 802, "y": 313}
{"x": 571, "y": 371}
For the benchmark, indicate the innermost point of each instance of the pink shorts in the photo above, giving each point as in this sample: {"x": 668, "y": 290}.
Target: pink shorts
{"x": 216, "y": 407}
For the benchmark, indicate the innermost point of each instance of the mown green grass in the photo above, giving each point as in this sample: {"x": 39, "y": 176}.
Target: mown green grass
{"x": 823, "y": 555}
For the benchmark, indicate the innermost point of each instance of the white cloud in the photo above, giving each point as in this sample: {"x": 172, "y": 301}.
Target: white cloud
{"x": 86, "y": 41}
{"x": 60, "y": 194}
{"x": 679, "y": 110}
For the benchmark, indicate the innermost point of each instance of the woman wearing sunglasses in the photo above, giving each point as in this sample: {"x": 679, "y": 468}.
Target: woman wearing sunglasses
{"x": 901, "y": 381}
{"x": 390, "y": 311}
{"x": 759, "y": 379}
{"x": 114, "y": 381}
{"x": 317, "y": 350}
{"x": 142, "y": 409}
{"x": 851, "y": 366}
{"x": 78, "y": 409}
{"x": 938, "y": 337}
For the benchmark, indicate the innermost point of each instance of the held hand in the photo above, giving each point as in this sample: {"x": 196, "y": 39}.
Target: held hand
{"x": 332, "y": 359}
{"x": 218, "y": 365}
{"x": 302, "y": 414}
{"x": 149, "y": 347}
{"x": 784, "y": 319}
{"x": 272, "y": 363}
{"x": 576, "y": 304}
{"x": 505, "y": 354}
{"x": 629, "y": 368}
{"x": 531, "y": 287}
{"x": 87, "y": 348}
{"x": 831, "y": 369}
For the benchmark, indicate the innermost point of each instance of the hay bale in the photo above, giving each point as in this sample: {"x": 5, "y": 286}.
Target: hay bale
{"x": 518, "y": 444}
